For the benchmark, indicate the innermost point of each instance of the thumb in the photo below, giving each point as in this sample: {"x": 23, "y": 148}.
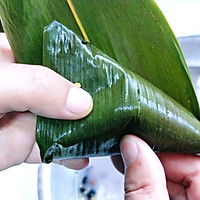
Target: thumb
{"x": 41, "y": 91}
{"x": 144, "y": 176}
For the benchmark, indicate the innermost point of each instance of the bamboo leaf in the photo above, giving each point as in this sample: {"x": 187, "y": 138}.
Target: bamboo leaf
{"x": 123, "y": 103}
{"x": 134, "y": 33}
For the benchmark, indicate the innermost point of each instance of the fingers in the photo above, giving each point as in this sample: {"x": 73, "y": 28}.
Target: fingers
{"x": 183, "y": 170}
{"x": 16, "y": 139}
{"x": 144, "y": 178}
{"x": 17, "y": 142}
{"x": 6, "y": 55}
{"x": 41, "y": 91}
{"x": 176, "y": 191}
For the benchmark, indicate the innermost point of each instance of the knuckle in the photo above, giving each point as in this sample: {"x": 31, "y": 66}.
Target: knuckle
{"x": 143, "y": 191}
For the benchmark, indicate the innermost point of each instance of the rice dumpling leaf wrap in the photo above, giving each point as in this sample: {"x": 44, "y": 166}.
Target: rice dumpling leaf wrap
{"x": 123, "y": 103}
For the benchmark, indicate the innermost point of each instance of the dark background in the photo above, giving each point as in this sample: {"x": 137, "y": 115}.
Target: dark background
{"x": 1, "y": 29}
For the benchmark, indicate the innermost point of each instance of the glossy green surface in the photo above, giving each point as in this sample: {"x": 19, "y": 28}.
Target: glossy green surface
{"x": 133, "y": 32}
{"x": 123, "y": 103}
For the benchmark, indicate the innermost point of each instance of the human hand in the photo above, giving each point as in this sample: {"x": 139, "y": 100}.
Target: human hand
{"x": 164, "y": 176}
{"x": 27, "y": 91}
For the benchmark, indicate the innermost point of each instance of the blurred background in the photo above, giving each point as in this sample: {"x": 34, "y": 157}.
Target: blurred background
{"x": 101, "y": 180}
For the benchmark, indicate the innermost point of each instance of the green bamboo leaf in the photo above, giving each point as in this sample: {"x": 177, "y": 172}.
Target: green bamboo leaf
{"x": 123, "y": 103}
{"x": 134, "y": 33}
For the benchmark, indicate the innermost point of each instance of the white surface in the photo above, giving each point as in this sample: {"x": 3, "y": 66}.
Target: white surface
{"x": 19, "y": 183}
{"x": 182, "y": 15}
{"x": 44, "y": 180}
{"x": 107, "y": 182}
{"x": 59, "y": 183}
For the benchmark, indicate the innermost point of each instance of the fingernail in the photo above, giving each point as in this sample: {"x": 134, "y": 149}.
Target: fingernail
{"x": 129, "y": 150}
{"x": 79, "y": 102}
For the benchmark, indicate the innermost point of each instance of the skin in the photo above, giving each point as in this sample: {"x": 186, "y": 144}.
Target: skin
{"x": 163, "y": 176}
{"x": 25, "y": 91}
